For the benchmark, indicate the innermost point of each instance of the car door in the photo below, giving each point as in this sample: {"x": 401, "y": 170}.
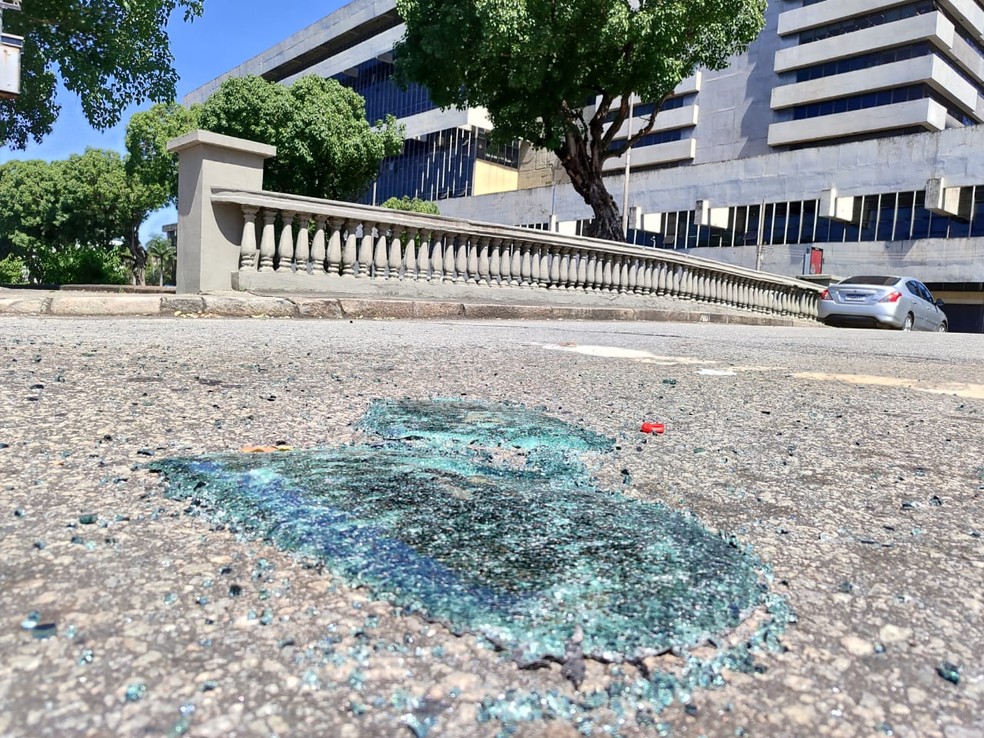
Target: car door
{"x": 934, "y": 316}
{"x": 917, "y": 305}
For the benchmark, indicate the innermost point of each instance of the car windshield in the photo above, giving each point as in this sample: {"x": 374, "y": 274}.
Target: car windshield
{"x": 871, "y": 280}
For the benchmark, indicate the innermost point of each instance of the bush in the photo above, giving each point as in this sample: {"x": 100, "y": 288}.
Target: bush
{"x": 413, "y": 205}
{"x": 82, "y": 265}
{"x": 11, "y": 270}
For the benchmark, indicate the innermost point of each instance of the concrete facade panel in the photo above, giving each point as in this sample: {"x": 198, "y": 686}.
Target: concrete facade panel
{"x": 926, "y": 113}
{"x": 830, "y": 11}
{"x": 930, "y": 69}
{"x": 922, "y": 27}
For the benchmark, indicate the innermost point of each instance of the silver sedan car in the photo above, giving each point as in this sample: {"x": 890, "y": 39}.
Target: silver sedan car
{"x": 890, "y": 302}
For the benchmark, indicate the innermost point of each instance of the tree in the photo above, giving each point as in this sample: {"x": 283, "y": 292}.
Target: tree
{"x": 163, "y": 253}
{"x": 74, "y": 214}
{"x": 101, "y": 204}
{"x": 325, "y": 146}
{"x": 30, "y": 209}
{"x": 561, "y": 74}
{"x": 413, "y": 205}
{"x": 111, "y": 53}
{"x": 148, "y": 162}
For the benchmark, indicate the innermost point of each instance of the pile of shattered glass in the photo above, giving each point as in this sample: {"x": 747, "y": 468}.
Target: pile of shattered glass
{"x": 483, "y": 517}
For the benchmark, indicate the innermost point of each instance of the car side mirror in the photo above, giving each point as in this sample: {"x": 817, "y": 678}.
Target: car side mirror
{"x": 939, "y": 303}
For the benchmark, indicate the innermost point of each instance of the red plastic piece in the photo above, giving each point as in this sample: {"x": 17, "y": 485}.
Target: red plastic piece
{"x": 657, "y": 428}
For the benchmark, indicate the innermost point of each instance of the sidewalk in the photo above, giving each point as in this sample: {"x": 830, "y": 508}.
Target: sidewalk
{"x": 532, "y": 306}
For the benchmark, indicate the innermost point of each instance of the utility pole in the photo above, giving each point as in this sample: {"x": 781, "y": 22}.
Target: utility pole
{"x": 628, "y": 163}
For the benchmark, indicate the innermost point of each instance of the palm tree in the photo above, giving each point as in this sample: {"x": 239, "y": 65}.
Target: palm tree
{"x": 160, "y": 248}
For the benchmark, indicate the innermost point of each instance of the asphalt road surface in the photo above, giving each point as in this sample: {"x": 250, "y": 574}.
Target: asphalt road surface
{"x": 851, "y": 462}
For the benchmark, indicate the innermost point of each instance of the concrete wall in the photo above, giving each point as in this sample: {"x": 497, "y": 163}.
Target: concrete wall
{"x": 930, "y": 260}
{"x": 863, "y": 168}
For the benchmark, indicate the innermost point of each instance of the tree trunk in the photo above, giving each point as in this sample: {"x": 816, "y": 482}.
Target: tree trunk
{"x": 585, "y": 172}
{"x": 138, "y": 269}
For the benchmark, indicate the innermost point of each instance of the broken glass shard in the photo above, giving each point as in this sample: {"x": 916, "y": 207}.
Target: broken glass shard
{"x": 482, "y": 516}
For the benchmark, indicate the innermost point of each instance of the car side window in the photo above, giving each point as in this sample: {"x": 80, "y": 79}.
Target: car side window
{"x": 927, "y": 295}
{"x": 913, "y": 288}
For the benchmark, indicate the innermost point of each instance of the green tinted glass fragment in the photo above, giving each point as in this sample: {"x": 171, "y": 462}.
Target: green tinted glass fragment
{"x": 521, "y": 548}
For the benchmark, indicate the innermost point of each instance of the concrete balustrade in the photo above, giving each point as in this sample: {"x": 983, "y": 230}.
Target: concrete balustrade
{"x": 269, "y": 242}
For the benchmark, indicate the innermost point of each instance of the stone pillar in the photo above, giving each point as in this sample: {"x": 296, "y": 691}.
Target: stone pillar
{"x": 209, "y": 236}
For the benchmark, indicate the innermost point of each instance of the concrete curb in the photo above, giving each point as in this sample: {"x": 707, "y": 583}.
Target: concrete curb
{"x": 250, "y": 305}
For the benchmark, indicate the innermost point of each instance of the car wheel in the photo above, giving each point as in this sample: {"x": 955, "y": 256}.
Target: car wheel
{"x": 942, "y": 328}
{"x": 907, "y": 323}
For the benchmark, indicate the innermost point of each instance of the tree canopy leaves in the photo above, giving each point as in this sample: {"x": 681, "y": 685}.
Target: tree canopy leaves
{"x": 111, "y": 53}
{"x": 325, "y": 146}
{"x": 85, "y": 203}
{"x": 560, "y": 74}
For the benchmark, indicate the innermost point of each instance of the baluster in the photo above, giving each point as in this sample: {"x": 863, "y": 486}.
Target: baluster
{"x": 395, "y": 254}
{"x": 662, "y": 272}
{"x": 268, "y": 245}
{"x": 700, "y": 285}
{"x": 247, "y": 245}
{"x": 482, "y": 261}
{"x": 534, "y": 265}
{"x": 687, "y": 284}
{"x": 676, "y": 282}
{"x": 364, "y": 255}
{"x": 632, "y": 281}
{"x": 710, "y": 285}
{"x": 452, "y": 246}
{"x": 437, "y": 259}
{"x": 423, "y": 255}
{"x": 318, "y": 250}
{"x": 462, "y": 256}
{"x": 380, "y": 255}
{"x": 302, "y": 247}
{"x": 350, "y": 253}
{"x": 592, "y": 276}
{"x": 334, "y": 255}
{"x": 564, "y": 280}
{"x": 581, "y": 273}
{"x": 553, "y": 276}
{"x": 543, "y": 257}
{"x": 724, "y": 290}
{"x": 623, "y": 281}
{"x": 507, "y": 265}
{"x": 410, "y": 255}
{"x": 285, "y": 249}
{"x": 647, "y": 277}
{"x": 515, "y": 264}
{"x": 607, "y": 269}
{"x": 526, "y": 266}
{"x": 495, "y": 262}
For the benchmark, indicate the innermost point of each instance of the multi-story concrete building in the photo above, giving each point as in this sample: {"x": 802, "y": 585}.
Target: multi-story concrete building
{"x": 848, "y": 127}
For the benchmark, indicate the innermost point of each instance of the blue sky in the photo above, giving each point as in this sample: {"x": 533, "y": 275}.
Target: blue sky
{"x": 227, "y": 34}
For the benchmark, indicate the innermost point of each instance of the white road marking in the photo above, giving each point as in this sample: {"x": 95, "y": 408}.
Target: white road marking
{"x": 959, "y": 389}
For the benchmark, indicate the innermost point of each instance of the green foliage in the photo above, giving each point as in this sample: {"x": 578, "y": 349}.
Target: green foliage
{"x": 413, "y": 205}
{"x": 325, "y": 146}
{"x": 11, "y": 270}
{"x": 163, "y": 258}
{"x": 83, "y": 207}
{"x": 111, "y": 53}
{"x": 92, "y": 198}
{"x": 84, "y": 264}
{"x": 148, "y": 161}
{"x": 535, "y": 65}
